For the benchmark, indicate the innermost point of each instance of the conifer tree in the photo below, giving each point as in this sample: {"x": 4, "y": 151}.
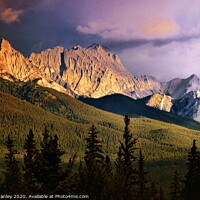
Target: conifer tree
{"x": 192, "y": 181}
{"x": 93, "y": 154}
{"x": 13, "y": 182}
{"x": 119, "y": 162}
{"x": 125, "y": 161}
{"x": 94, "y": 160}
{"x": 48, "y": 164}
{"x": 29, "y": 158}
{"x": 142, "y": 181}
{"x": 176, "y": 187}
{"x": 108, "y": 166}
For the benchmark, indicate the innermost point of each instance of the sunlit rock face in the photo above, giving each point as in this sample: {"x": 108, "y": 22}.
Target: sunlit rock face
{"x": 15, "y": 64}
{"x": 160, "y": 101}
{"x": 92, "y": 72}
{"x": 95, "y": 72}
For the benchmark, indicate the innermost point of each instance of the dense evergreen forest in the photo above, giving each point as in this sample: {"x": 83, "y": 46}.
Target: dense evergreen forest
{"x": 94, "y": 176}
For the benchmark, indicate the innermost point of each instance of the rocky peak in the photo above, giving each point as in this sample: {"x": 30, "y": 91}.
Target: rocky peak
{"x": 97, "y": 47}
{"x": 12, "y": 62}
{"x": 188, "y": 105}
{"x": 93, "y": 72}
{"x": 194, "y": 79}
{"x": 179, "y": 87}
{"x": 100, "y": 50}
{"x": 193, "y": 76}
{"x": 5, "y": 45}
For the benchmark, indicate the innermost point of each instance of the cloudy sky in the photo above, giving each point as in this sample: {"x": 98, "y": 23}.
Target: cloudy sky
{"x": 155, "y": 37}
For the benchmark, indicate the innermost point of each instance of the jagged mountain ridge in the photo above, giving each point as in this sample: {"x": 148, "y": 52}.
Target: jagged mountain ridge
{"x": 93, "y": 72}
{"x": 188, "y": 106}
{"x": 13, "y": 63}
{"x": 185, "y": 97}
{"x": 177, "y": 87}
{"x": 90, "y": 72}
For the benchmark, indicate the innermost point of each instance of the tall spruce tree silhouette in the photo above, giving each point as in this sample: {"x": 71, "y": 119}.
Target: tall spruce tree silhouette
{"x": 192, "y": 181}
{"x": 94, "y": 160}
{"x": 125, "y": 162}
{"x": 13, "y": 182}
{"x": 29, "y": 159}
{"x": 48, "y": 169}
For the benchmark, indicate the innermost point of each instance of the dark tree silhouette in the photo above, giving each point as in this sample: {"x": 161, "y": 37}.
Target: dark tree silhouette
{"x": 94, "y": 160}
{"x": 48, "y": 164}
{"x": 125, "y": 161}
{"x": 93, "y": 155}
{"x": 29, "y": 158}
{"x": 192, "y": 181}
{"x": 13, "y": 182}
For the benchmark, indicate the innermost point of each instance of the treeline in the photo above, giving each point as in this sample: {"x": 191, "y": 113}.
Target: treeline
{"x": 43, "y": 172}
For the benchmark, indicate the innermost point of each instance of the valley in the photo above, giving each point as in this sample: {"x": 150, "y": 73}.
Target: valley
{"x": 67, "y": 91}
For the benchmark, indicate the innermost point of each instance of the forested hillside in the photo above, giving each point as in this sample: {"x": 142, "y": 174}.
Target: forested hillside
{"x": 95, "y": 175}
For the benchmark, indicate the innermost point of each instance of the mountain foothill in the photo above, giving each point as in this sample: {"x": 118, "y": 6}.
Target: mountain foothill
{"x": 68, "y": 93}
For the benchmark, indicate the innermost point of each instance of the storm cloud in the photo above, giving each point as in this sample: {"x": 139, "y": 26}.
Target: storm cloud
{"x": 159, "y": 37}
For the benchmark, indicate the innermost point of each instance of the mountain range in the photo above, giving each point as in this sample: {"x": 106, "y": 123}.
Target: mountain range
{"x": 45, "y": 90}
{"x": 95, "y": 72}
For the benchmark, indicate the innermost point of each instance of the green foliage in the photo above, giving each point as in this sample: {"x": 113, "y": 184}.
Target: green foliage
{"x": 121, "y": 104}
{"x": 46, "y": 173}
{"x": 29, "y": 159}
{"x": 94, "y": 161}
{"x": 13, "y": 181}
{"x": 125, "y": 162}
{"x": 26, "y": 106}
{"x": 48, "y": 169}
{"x": 176, "y": 187}
{"x": 193, "y": 174}
{"x": 142, "y": 179}
{"x": 93, "y": 154}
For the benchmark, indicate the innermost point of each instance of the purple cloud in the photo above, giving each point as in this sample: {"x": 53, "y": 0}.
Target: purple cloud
{"x": 159, "y": 37}
{"x": 164, "y": 62}
{"x": 9, "y": 15}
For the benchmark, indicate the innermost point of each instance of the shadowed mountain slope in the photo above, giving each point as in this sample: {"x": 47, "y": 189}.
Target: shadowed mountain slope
{"x": 121, "y": 104}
